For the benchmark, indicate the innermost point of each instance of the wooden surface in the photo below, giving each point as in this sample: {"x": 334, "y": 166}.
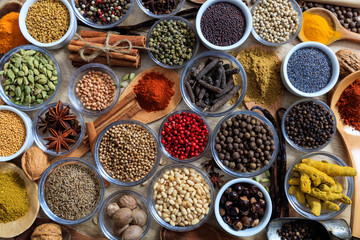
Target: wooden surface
{"x": 351, "y": 139}
{"x": 14, "y": 228}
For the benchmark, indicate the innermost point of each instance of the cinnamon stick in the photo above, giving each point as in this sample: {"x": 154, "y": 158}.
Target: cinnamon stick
{"x": 92, "y": 135}
{"x": 99, "y": 37}
{"x": 76, "y": 58}
{"x": 133, "y": 52}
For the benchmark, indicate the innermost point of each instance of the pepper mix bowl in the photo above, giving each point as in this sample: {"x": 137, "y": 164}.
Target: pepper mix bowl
{"x": 6, "y": 58}
{"x": 168, "y": 219}
{"x": 79, "y": 74}
{"x": 158, "y": 48}
{"x": 47, "y": 175}
{"x": 130, "y": 146}
{"x": 262, "y": 155}
{"x": 106, "y": 223}
{"x": 150, "y": 13}
{"x": 189, "y": 130}
{"x": 226, "y": 59}
{"x": 29, "y": 140}
{"x": 346, "y": 182}
{"x": 264, "y": 219}
{"x": 334, "y": 71}
{"x": 63, "y": 41}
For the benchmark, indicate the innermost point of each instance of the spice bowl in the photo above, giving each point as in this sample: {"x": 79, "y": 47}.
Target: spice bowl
{"x": 335, "y": 69}
{"x": 29, "y": 140}
{"x": 174, "y": 193}
{"x": 153, "y": 15}
{"x": 63, "y": 41}
{"x": 155, "y": 50}
{"x": 265, "y": 160}
{"x": 248, "y": 231}
{"x": 346, "y": 182}
{"x": 52, "y": 169}
{"x": 128, "y": 128}
{"x": 106, "y": 223}
{"x": 39, "y": 135}
{"x": 225, "y": 58}
{"x": 79, "y": 74}
{"x": 6, "y": 58}
{"x": 162, "y": 139}
{"x": 248, "y": 24}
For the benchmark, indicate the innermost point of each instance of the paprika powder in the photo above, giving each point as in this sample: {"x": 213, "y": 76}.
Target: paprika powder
{"x": 154, "y": 91}
{"x": 349, "y": 105}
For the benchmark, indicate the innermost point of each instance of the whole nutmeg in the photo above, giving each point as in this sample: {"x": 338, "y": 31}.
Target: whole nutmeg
{"x": 34, "y": 162}
{"x": 122, "y": 217}
{"x": 127, "y": 201}
{"x": 119, "y": 230}
{"x": 47, "y": 231}
{"x": 139, "y": 217}
{"x": 133, "y": 232}
{"x": 111, "y": 209}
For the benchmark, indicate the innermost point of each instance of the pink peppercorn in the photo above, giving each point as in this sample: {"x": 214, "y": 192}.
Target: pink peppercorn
{"x": 184, "y": 135}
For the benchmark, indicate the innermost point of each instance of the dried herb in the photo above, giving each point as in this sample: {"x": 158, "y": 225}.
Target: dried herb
{"x": 216, "y": 179}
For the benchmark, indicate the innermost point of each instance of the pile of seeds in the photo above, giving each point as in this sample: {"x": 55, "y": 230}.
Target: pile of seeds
{"x": 30, "y": 77}
{"x": 242, "y": 206}
{"x": 161, "y": 7}
{"x": 244, "y": 143}
{"x": 72, "y": 191}
{"x": 47, "y": 20}
{"x": 301, "y": 229}
{"x": 182, "y": 197}
{"x": 309, "y": 125}
{"x": 309, "y": 70}
{"x": 103, "y": 12}
{"x": 12, "y": 133}
{"x": 96, "y": 90}
{"x": 275, "y": 21}
{"x": 128, "y": 152}
{"x": 223, "y": 24}
{"x": 173, "y": 42}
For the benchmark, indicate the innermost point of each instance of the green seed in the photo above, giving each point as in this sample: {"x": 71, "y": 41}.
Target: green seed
{"x": 264, "y": 180}
{"x": 132, "y": 76}
{"x": 125, "y": 77}
{"x": 18, "y": 91}
{"x": 267, "y": 173}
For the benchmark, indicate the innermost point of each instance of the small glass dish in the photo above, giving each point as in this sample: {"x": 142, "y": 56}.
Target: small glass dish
{"x": 346, "y": 182}
{"x": 271, "y": 44}
{"x": 195, "y": 49}
{"x": 106, "y": 223}
{"x": 188, "y": 160}
{"x": 152, "y": 203}
{"x": 324, "y": 105}
{"x": 39, "y": 136}
{"x": 90, "y": 23}
{"x": 227, "y": 108}
{"x": 47, "y": 173}
{"x": 242, "y": 174}
{"x": 79, "y": 74}
{"x": 6, "y": 58}
{"x": 153, "y": 15}
{"x": 104, "y": 173}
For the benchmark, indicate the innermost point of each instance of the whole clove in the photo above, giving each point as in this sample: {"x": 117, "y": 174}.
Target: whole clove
{"x": 160, "y": 7}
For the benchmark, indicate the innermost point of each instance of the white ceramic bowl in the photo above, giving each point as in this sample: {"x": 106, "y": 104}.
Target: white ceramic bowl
{"x": 249, "y": 231}
{"x": 334, "y": 64}
{"x": 29, "y": 140}
{"x": 245, "y": 10}
{"x": 54, "y": 45}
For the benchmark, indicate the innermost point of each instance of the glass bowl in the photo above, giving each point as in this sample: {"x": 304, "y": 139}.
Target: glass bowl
{"x": 286, "y": 135}
{"x": 346, "y": 182}
{"x": 227, "y": 108}
{"x": 95, "y": 25}
{"x": 6, "y": 58}
{"x": 188, "y": 160}
{"x": 247, "y": 174}
{"x": 152, "y": 203}
{"x": 39, "y": 136}
{"x": 153, "y": 15}
{"x": 103, "y": 171}
{"x": 44, "y": 177}
{"x": 271, "y": 44}
{"x": 106, "y": 223}
{"x": 195, "y": 49}
{"x": 79, "y": 74}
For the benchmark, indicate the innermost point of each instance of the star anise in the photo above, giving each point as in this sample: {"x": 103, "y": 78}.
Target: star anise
{"x": 59, "y": 140}
{"x": 216, "y": 179}
{"x": 209, "y": 165}
{"x": 59, "y": 116}
{"x": 43, "y": 124}
{"x": 75, "y": 128}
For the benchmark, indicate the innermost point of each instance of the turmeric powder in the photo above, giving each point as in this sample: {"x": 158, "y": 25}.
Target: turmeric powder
{"x": 10, "y": 32}
{"x": 317, "y": 177}
{"x": 314, "y": 205}
{"x": 331, "y": 169}
{"x": 316, "y": 28}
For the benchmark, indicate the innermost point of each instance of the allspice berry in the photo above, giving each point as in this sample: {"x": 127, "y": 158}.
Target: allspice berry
{"x": 34, "y": 162}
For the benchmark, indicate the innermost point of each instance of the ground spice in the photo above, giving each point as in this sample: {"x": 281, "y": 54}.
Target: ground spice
{"x": 316, "y": 28}
{"x": 263, "y": 72}
{"x": 154, "y": 91}
{"x": 10, "y": 32}
{"x": 348, "y": 105}
{"x": 14, "y": 199}
{"x": 12, "y": 133}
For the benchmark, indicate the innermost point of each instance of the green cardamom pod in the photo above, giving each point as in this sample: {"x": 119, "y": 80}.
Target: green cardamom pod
{"x": 18, "y": 91}
{"x": 43, "y": 60}
{"x": 31, "y": 72}
{"x": 25, "y": 69}
{"x": 6, "y": 65}
{"x": 2, "y": 72}
{"x": 132, "y": 76}
{"x": 15, "y": 70}
{"x": 39, "y": 96}
{"x": 36, "y": 63}
{"x": 49, "y": 67}
{"x": 50, "y": 92}
{"x": 27, "y": 100}
{"x": 36, "y": 72}
{"x": 21, "y": 73}
{"x": 54, "y": 78}
{"x": 46, "y": 87}
{"x": 55, "y": 73}
{"x": 125, "y": 77}
{"x": 26, "y": 81}
{"x": 31, "y": 78}
{"x": 51, "y": 85}
{"x": 22, "y": 52}
{"x": 33, "y": 98}
{"x": 39, "y": 101}
{"x": 17, "y": 63}
{"x": 44, "y": 94}
{"x": 27, "y": 90}
{"x": 22, "y": 96}
{"x": 19, "y": 81}
{"x": 42, "y": 81}
{"x": 55, "y": 82}
{"x": 12, "y": 94}
{"x": 37, "y": 85}
{"x": 49, "y": 73}
{"x": 6, "y": 88}
{"x": 7, "y": 82}
{"x": 12, "y": 88}
{"x": 11, "y": 74}
{"x": 30, "y": 52}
